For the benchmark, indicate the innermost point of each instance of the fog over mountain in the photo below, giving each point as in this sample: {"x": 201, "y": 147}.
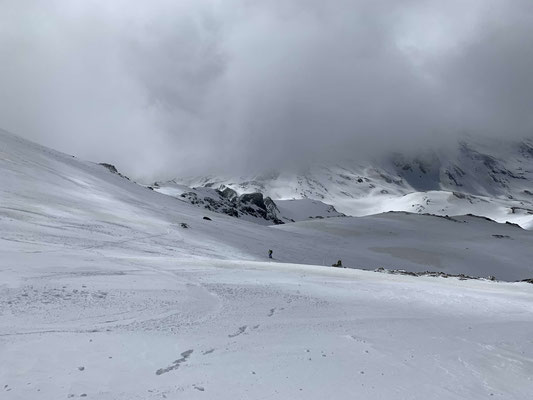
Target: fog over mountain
{"x": 167, "y": 88}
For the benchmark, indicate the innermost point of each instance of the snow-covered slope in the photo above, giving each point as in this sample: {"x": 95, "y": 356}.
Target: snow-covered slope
{"x": 305, "y": 209}
{"x": 55, "y": 203}
{"x": 150, "y": 327}
{"x": 460, "y": 244}
{"x": 104, "y": 295}
{"x": 492, "y": 178}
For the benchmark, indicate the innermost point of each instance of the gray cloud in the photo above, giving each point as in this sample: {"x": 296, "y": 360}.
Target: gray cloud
{"x": 166, "y": 88}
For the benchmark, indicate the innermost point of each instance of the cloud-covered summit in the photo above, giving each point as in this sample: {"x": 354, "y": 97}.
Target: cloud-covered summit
{"x": 164, "y": 88}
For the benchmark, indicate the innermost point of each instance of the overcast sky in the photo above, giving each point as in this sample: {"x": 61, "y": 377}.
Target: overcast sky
{"x": 172, "y": 87}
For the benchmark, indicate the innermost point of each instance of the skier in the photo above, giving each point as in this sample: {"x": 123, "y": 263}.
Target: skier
{"x": 270, "y": 253}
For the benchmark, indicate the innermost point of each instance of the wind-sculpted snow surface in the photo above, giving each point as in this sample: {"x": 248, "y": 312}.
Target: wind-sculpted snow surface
{"x": 109, "y": 290}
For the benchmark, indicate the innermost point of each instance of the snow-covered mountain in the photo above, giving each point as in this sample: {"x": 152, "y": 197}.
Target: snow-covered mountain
{"x": 488, "y": 177}
{"x": 112, "y": 291}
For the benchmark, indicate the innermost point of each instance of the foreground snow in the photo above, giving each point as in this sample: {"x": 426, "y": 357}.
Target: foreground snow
{"x": 104, "y": 295}
{"x": 119, "y": 327}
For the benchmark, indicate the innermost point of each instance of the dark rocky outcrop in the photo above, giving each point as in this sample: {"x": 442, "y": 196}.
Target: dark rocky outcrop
{"x": 513, "y": 224}
{"x": 517, "y": 210}
{"x": 446, "y": 217}
{"x": 497, "y": 236}
{"x": 111, "y": 168}
{"x": 437, "y": 274}
{"x": 228, "y": 193}
{"x": 481, "y": 217}
{"x": 226, "y": 201}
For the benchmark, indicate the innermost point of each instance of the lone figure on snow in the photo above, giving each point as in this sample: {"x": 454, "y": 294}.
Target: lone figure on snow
{"x": 338, "y": 264}
{"x": 270, "y": 253}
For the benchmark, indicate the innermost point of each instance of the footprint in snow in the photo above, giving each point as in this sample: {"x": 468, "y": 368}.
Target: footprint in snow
{"x": 274, "y": 311}
{"x": 176, "y": 364}
{"x": 240, "y": 331}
